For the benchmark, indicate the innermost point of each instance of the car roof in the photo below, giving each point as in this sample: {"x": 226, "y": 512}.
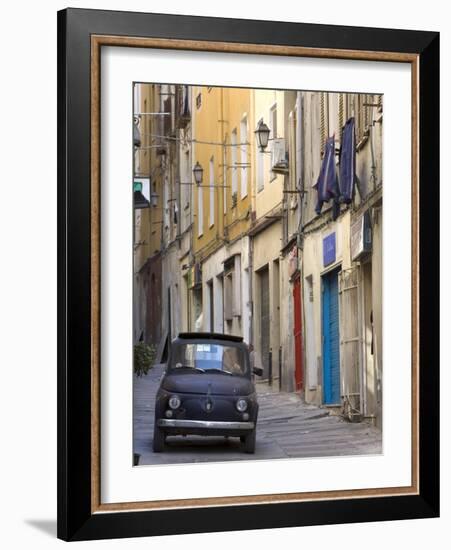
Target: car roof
{"x": 208, "y": 336}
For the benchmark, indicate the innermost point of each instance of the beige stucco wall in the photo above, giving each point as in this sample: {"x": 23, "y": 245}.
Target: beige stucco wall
{"x": 271, "y": 195}
{"x": 313, "y": 268}
{"x": 212, "y": 272}
{"x": 266, "y": 250}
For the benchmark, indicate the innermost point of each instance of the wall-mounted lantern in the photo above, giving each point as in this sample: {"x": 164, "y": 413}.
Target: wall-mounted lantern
{"x": 262, "y": 132}
{"x": 198, "y": 172}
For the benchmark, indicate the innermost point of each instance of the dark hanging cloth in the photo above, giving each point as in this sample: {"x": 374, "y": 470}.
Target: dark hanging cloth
{"x": 347, "y": 162}
{"x": 185, "y": 112}
{"x": 327, "y": 184}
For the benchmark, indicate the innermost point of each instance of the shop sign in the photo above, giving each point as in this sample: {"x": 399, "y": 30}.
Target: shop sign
{"x": 329, "y": 249}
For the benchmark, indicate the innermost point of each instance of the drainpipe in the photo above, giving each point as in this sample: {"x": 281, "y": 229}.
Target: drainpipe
{"x": 219, "y": 190}
{"x": 252, "y": 155}
{"x": 373, "y": 162}
{"x": 251, "y": 286}
{"x": 300, "y": 152}
{"x": 300, "y": 157}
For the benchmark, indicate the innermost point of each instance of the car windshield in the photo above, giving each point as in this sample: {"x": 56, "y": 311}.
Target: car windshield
{"x": 209, "y": 357}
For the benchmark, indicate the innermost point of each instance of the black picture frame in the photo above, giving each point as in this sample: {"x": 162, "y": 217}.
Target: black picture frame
{"x": 76, "y": 521}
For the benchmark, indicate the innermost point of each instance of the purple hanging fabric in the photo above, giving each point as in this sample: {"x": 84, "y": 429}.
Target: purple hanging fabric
{"x": 347, "y": 162}
{"x": 327, "y": 185}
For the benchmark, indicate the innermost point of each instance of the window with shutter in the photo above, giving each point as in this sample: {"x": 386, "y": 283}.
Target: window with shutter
{"x": 212, "y": 192}
{"x": 234, "y": 163}
{"x": 244, "y": 160}
{"x": 225, "y": 176}
{"x": 341, "y": 114}
{"x": 273, "y": 128}
{"x": 260, "y": 165}
{"x": 292, "y": 150}
{"x": 167, "y": 108}
{"x": 228, "y": 295}
{"x": 324, "y": 119}
{"x": 200, "y": 211}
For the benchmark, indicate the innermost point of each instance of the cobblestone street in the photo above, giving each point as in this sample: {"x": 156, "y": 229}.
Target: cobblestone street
{"x": 286, "y": 428}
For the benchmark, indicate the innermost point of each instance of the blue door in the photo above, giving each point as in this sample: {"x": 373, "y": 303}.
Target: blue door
{"x": 331, "y": 339}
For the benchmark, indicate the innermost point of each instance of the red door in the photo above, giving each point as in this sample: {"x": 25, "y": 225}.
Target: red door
{"x": 298, "y": 374}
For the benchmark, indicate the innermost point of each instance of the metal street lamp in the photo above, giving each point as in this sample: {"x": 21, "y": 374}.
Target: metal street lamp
{"x": 262, "y": 133}
{"x": 198, "y": 172}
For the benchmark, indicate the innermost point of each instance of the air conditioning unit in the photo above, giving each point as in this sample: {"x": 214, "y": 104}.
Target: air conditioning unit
{"x": 279, "y": 156}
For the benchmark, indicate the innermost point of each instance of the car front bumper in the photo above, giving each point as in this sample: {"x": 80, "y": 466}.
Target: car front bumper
{"x": 204, "y": 427}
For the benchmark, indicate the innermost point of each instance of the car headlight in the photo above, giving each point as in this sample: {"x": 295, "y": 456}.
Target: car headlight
{"x": 241, "y": 405}
{"x": 174, "y": 402}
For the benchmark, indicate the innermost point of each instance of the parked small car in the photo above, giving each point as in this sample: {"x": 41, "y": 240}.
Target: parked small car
{"x": 207, "y": 389}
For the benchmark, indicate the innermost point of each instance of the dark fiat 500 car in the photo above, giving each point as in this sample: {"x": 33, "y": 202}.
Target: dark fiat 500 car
{"x": 207, "y": 389}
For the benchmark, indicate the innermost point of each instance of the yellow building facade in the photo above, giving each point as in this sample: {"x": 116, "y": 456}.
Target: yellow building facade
{"x": 222, "y": 145}
{"x": 147, "y": 231}
{"x": 222, "y": 122}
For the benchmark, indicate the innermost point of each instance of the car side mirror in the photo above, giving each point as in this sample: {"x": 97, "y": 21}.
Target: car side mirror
{"x": 258, "y": 371}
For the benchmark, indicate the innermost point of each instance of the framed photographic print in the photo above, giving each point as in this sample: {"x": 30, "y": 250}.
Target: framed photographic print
{"x": 248, "y": 274}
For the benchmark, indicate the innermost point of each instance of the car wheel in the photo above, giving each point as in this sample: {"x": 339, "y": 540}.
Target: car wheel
{"x": 249, "y": 442}
{"x": 158, "y": 439}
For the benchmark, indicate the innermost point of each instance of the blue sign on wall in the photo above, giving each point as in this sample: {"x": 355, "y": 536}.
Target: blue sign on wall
{"x": 329, "y": 253}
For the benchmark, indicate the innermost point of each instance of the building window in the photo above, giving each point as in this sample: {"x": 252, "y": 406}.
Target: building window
{"x": 146, "y": 128}
{"x": 228, "y": 296}
{"x": 186, "y": 171}
{"x": 363, "y": 107}
{"x": 212, "y": 191}
{"x": 211, "y": 305}
{"x": 234, "y": 167}
{"x": 225, "y": 176}
{"x": 273, "y": 120}
{"x": 273, "y": 125}
{"x": 232, "y": 288}
{"x": 341, "y": 113}
{"x": 200, "y": 211}
{"x": 260, "y": 166}
{"x": 244, "y": 159}
{"x": 292, "y": 152}
{"x": 324, "y": 119}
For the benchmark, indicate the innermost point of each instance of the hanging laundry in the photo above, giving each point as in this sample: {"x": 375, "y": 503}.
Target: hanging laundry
{"x": 327, "y": 185}
{"x": 347, "y": 162}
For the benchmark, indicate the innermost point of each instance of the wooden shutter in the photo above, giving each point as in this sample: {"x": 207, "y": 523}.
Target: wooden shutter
{"x": 350, "y": 341}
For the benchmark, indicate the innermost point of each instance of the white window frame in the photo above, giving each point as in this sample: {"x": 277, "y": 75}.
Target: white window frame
{"x": 226, "y": 179}
{"x": 200, "y": 211}
{"x": 212, "y": 191}
{"x": 234, "y": 167}
{"x": 244, "y": 156}
{"x": 260, "y": 168}
{"x": 273, "y": 128}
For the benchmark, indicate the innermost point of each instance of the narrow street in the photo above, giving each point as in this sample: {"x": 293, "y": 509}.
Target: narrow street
{"x": 286, "y": 428}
